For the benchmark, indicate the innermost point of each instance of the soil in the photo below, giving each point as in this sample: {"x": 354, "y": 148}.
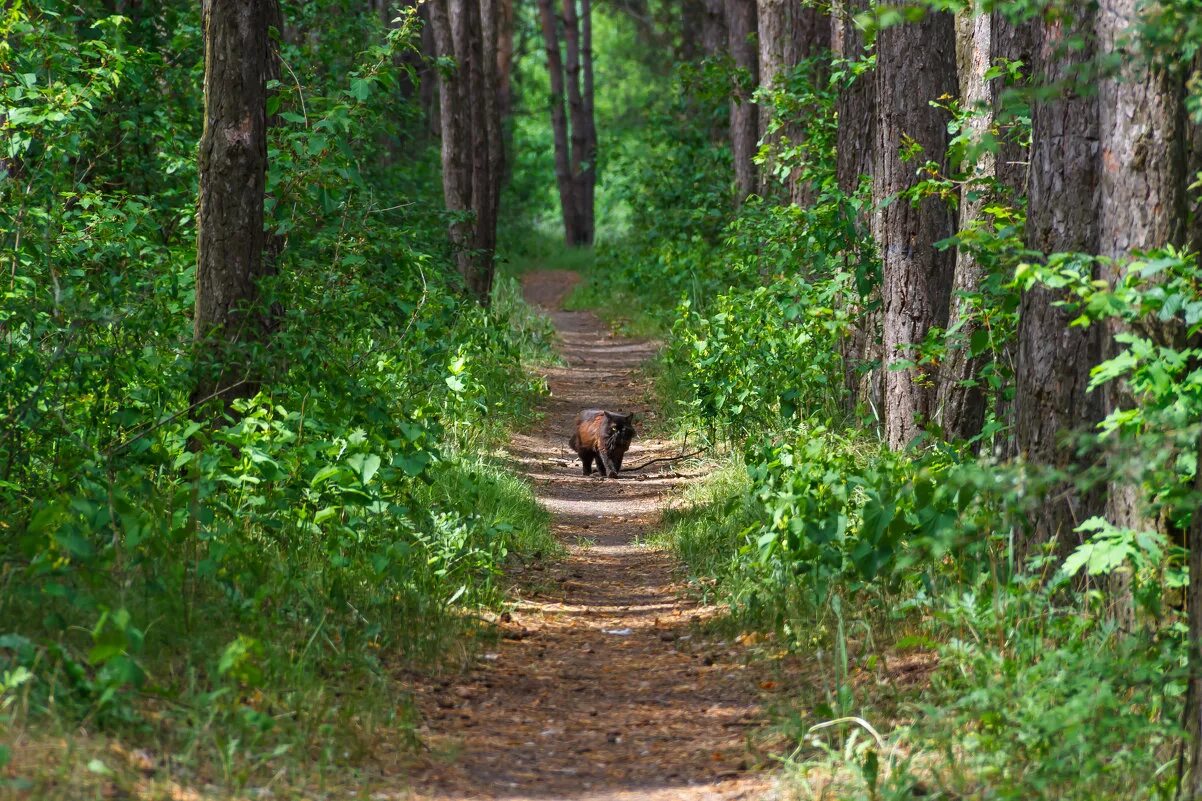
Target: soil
{"x": 603, "y": 686}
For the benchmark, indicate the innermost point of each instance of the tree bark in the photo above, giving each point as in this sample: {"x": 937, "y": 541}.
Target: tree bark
{"x": 916, "y": 63}
{"x": 559, "y": 119}
{"x": 579, "y": 72}
{"x": 471, "y": 134}
{"x": 229, "y": 318}
{"x": 856, "y": 104}
{"x": 1012, "y": 39}
{"x": 1141, "y": 206}
{"x": 788, "y": 33}
{"x": 453, "y": 130}
{"x": 1054, "y": 360}
{"x": 1192, "y": 789}
{"x": 744, "y": 126}
{"x": 960, "y": 401}
{"x": 505, "y": 27}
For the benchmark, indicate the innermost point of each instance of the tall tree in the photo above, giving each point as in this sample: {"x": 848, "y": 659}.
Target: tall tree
{"x": 471, "y": 134}
{"x": 744, "y": 125}
{"x": 233, "y": 167}
{"x": 1141, "y": 206}
{"x": 788, "y": 32}
{"x": 855, "y": 135}
{"x": 916, "y": 63}
{"x": 575, "y": 144}
{"x": 855, "y": 106}
{"x": 578, "y": 37}
{"x": 1054, "y": 359}
{"x": 960, "y": 403}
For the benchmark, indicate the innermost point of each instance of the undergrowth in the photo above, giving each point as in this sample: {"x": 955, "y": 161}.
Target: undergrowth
{"x": 928, "y": 652}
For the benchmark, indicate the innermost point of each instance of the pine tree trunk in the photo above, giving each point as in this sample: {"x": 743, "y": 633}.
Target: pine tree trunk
{"x": 1192, "y": 785}
{"x": 744, "y": 125}
{"x": 788, "y": 33}
{"x": 559, "y": 122}
{"x": 856, "y": 104}
{"x": 579, "y": 71}
{"x": 505, "y": 29}
{"x": 589, "y": 189}
{"x": 489, "y": 151}
{"x": 233, "y": 166}
{"x": 916, "y": 63}
{"x": 1054, "y": 360}
{"x": 454, "y": 122}
{"x": 960, "y": 402}
{"x": 855, "y": 109}
{"x": 1141, "y": 206}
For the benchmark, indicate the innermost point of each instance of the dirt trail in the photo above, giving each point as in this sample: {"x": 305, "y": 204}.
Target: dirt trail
{"x": 602, "y": 689}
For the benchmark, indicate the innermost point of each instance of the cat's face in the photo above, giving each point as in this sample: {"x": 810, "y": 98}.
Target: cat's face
{"x": 621, "y": 428}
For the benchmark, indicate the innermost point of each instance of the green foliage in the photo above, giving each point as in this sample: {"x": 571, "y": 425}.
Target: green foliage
{"x": 333, "y": 524}
{"x": 857, "y": 557}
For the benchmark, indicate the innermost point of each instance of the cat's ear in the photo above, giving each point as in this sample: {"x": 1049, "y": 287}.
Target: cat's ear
{"x": 630, "y": 418}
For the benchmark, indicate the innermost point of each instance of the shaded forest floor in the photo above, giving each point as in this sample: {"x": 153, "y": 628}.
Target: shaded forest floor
{"x": 604, "y": 685}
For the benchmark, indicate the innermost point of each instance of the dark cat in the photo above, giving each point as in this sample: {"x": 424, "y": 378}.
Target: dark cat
{"x": 603, "y": 436}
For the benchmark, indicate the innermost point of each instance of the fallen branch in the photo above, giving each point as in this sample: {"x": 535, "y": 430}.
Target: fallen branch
{"x": 663, "y": 459}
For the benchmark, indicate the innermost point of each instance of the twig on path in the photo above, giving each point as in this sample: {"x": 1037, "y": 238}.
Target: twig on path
{"x": 663, "y": 459}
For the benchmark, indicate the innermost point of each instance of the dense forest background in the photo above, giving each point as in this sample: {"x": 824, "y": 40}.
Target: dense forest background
{"x": 926, "y": 280}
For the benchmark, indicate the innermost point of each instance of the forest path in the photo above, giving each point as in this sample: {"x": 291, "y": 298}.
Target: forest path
{"x": 603, "y": 688}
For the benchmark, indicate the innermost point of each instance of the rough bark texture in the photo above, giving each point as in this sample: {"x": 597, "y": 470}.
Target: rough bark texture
{"x": 856, "y": 105}
{"x": 1054, "y": 360}
{"x": 916, "y": 63}
{"x": 233, "y": 168}
{"x": 960, "y": 401}
{"x": 1012, "y": 39}
{"x": 855, "y": 139}
{"x": 1141, "y": 206}
{"x": 744, "y": 125}
{"x": 788, "y": 32}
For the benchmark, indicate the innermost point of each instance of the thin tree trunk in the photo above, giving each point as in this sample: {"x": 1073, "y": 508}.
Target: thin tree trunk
{"x": 916, "y": 63}
{"x": 855, "y": 109}
{"x": 961, "y": 402}
{"x": 505, "y": 26}
{"x": 1192, "y": 786}
{"x": 1141, "y": 206}
{"x": 453, "y": 124}
{"x": 579, "y": 72}
{"x": 590, "y": 121}
{"x": 488, "y": 152}
{"x": 1054, "y": 359}
{"x": 559, "y": 122}
{"x": 233, "y": 166}
{"x": 744, "y": 128}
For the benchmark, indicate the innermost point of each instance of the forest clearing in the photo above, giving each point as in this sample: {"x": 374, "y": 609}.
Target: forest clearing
{"x": 598, "y": 401}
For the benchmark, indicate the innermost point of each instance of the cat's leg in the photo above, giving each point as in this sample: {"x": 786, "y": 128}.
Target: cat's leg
{"x": 586, "y": 456}
{"x": 609, "y": 466}
{"x": 617, "y": 460}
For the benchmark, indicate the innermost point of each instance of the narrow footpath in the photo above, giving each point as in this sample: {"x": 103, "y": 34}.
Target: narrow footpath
{"x": 603, "y": 687}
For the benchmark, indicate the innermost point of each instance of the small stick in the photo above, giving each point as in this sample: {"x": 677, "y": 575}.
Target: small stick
{"x": 662, "y": 459}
